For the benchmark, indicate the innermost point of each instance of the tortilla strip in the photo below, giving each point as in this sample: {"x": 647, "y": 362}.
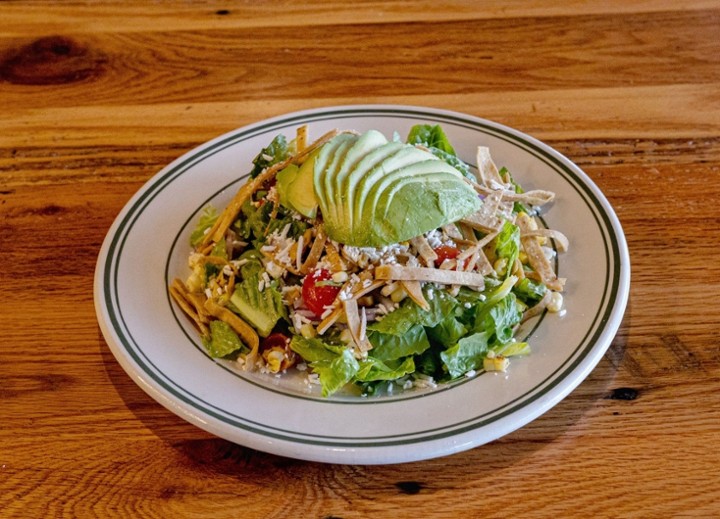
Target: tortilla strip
{"x": 445, "y": 277}
{"x": 362, "y": 344}
{"x": 536, "y": 256}
{"x": 534, "y": 197}
{"x": 333, "y": 257}
{"x": 486, "y": 168}
{"x": 231, "y": 211}
{"x": 485, "y": 219}
{"x": 316, "y": 251}
{"x": 301, "y": 138}
{"x": 425, "y": 250}
{"x": 360, "y": 291}
{"x": 180, "y": 294}
{"x": 560, "y": 239}
{"x": 414, "y": 290}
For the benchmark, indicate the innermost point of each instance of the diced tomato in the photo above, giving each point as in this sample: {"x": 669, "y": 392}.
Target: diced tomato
{"x": 318, "y": 295}
{"x": 445, "y": 252}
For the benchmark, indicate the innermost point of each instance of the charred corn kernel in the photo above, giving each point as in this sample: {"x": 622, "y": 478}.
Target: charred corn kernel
{"x": 500, "y": 266}
{"x": 398, "y": 295}
{"x": 346, "y": 336}
{"x": 496, "y": 363}
{"x": 308, "y": 331}
{"x": 556, "y": 302}
{"x": 274, "y": 358}
{"x": 340, "y": 277}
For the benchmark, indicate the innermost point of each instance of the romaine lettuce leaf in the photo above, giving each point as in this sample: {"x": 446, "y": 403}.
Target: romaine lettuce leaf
{"x": 435, "y": 140}
{"x": 207, "y": 219}
{"x": 466, "y": 355}
{"x": 500, "y": 319}
{"x": 448, "y": 331}
{"x": 430, "y": 135}
{"x": 335, "y": 373}
{"x": 334, "y": 364}
{"x": 399, "y": 321}
{"x": 373, "y": 369}
{"x": 223, "y": 340}
{"x": 507, "y": 245}
{"x": 530, "y": 291}
{"x": 390, "y": 347}
{"x": 314, "y": 349}
{"x": 275, "y": 152}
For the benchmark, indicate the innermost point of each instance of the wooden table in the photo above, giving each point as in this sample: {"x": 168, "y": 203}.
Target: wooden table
{"x": 97, "y": 97}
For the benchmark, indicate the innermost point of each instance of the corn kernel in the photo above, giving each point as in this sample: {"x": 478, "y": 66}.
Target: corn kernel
{"x": 500, "y": 266}
{"x": 398, "y": 295}
{"x": 523, "y": 257}
{"x": 496, "y": 363}
{"x": 346, "y": 336}
{"x": 340, "y": 277}
{"x": 308, "y": 331}
{"x": 556, "y": 302}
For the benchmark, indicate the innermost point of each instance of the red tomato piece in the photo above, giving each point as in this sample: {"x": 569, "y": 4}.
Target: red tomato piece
{"x": 445, "y": 252}
{"x": 318, "y": 295}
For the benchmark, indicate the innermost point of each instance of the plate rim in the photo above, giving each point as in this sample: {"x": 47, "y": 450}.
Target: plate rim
{"x": 548, "y": 397}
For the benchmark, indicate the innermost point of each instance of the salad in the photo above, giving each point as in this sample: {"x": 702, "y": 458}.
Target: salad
{"x": 373, "y": 263}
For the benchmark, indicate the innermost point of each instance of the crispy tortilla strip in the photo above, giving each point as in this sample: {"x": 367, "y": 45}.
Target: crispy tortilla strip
{"x": 356, "y": 327}
{"x": 301, "y": 138}
{"x": 333, "y": 256}
{"x": 485, "y": 219}
{"x": 357, "y": 292}
{"x": 487, "y": 169}
{"x": 180, "y": 294}
{"x": 316, "y": 251}
{"x": 414, "y": 290}
{"x": 232, "y": 210}
{"x": 445, "y": 277}
{"x": 563, "y": 244}
{"x": 425, "y": 250}
{"x": 246, "y": 332}
{"x": 535, "y": 197}
{"x": 536, "y": 257}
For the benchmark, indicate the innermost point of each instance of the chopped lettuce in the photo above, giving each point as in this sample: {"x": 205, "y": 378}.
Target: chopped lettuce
{"x": 335, "y": 365}
{"x": 275, "y": 152}
{"x": 372, "y": 369}
{"x": 409, "y": 313}
{"x": 434, "y": 139}
{"x": 530, "y": 291}
{"x": 261, "y": 308}
{"x": 388, "y": 346}
{"x": 430, "y": 135}
{"x": 207, "y": 219}
{"x": 447, "y": 331}
{"x": 466, "y": 355}
{"x": 507, "y": 245}
{"x": 223, "y": 340}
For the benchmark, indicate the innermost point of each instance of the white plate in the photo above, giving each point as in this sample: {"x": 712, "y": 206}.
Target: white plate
{"x": 147, "y": 246}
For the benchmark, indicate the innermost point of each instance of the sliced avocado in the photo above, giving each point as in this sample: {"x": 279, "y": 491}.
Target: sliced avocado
{"x": 324, "y": 173}
{"x": 261, "y": 309}
{"x": 367, "y": 143}
{"x": 301, "y": 193}
{"x": 374, "y": 193}
{"x": 284, "y": 179}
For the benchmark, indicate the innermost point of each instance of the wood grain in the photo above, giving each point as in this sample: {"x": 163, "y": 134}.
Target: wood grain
{"x": 95, "y": 98}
